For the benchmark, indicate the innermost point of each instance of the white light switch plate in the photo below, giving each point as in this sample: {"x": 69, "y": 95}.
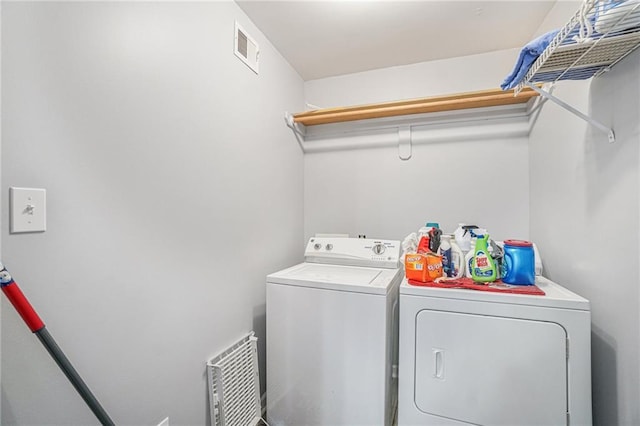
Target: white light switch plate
{"x": 28, "y": 209}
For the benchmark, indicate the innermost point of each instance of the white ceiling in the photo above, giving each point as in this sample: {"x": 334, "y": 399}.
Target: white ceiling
{"x": 326, "y": 38}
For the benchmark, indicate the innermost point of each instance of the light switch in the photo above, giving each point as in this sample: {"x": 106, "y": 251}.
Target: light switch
{"x": 28, "y": 209}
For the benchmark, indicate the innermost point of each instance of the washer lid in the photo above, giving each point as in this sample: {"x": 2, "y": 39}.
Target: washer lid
{"x": 336, "y": 277}
{"x": 555, "y": 296}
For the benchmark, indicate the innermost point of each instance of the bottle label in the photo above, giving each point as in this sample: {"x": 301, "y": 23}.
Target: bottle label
{"x": 482, "y": 267}
{"x": 446, "y": 262}
{"x": 456, "y": 263}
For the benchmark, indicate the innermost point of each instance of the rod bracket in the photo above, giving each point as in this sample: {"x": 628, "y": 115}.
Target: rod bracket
{"x": 297, "y": 132}
{"x": 404, "y": 142}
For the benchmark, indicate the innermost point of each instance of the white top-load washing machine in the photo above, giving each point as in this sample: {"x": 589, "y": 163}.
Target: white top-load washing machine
{"x": 332, "y": 335}
{"x": 474, "y": 357}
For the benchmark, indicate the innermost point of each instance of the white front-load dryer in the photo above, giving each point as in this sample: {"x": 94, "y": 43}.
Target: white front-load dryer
{"x": 332, "y": 341}
{"x": 483, "y": 358}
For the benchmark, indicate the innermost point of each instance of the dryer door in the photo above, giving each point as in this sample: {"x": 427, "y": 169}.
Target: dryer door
{"x": 490, "y": 370}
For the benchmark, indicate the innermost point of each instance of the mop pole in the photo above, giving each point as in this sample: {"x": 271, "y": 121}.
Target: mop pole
{"x": 35, "y": 324}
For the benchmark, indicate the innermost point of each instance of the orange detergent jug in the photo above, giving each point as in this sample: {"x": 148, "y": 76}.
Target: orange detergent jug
{"x": 423, "y": 267}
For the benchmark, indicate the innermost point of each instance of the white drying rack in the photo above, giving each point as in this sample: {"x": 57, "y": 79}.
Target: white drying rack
{"x": 234, "y": 385}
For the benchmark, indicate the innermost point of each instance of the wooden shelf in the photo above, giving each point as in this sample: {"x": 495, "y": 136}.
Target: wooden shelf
{"x": 480, "y": 99}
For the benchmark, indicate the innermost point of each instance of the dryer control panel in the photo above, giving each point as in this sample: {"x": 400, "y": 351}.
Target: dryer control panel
{"x": 353, "y": 251}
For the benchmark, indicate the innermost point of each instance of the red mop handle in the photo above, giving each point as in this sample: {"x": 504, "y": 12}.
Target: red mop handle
{"x": 29, "y": 315}
{"x": 17, "y": 299}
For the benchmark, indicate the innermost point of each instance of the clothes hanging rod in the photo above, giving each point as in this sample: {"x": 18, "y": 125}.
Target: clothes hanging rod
{"x": 460, "y": 101}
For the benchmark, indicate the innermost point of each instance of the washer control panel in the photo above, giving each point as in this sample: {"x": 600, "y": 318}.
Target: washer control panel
{"x": 353, "y": 251}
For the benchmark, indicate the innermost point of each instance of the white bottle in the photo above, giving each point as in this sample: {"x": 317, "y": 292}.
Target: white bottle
{"x": 468, "y": 259}
{"x": 463, "y": 237}
{"x": 457, "y": 261}
{"x": 445, "y": 251}
{"x": 458, "y": 233}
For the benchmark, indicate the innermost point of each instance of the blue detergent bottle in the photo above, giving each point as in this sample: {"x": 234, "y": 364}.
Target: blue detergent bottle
{"x": 518, "y": 264}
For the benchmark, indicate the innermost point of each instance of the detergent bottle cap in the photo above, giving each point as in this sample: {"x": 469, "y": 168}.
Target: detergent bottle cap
{"x": 518, "y": 243}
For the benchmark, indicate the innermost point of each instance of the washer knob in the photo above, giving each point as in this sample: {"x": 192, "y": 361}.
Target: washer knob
{"x": 378, "y": 248}
{"x": 329, "y": 247}
{"x": 317, "y": 246}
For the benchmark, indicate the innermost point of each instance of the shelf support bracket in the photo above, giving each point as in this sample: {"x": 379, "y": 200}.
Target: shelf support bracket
{"x": 404, "y": 142}
{"x": 537, "y": 109}
{"x": 298, "y": 133}
{"x": 594, "y": 123}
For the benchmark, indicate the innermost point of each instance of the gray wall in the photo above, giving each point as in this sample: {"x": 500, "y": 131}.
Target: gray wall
{"x": 173, "y": 188}
{"x": 155, "y": 145}
{"x": 585, "y": 217}
{"x": 585, "y": 214}
{"x": 471, "y": 179}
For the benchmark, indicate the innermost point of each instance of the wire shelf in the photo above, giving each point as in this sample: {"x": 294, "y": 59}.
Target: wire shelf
{"x": 599, "y": 35}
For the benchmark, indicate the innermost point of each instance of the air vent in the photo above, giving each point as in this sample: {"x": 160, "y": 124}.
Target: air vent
{"x": 246, "y": 48}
